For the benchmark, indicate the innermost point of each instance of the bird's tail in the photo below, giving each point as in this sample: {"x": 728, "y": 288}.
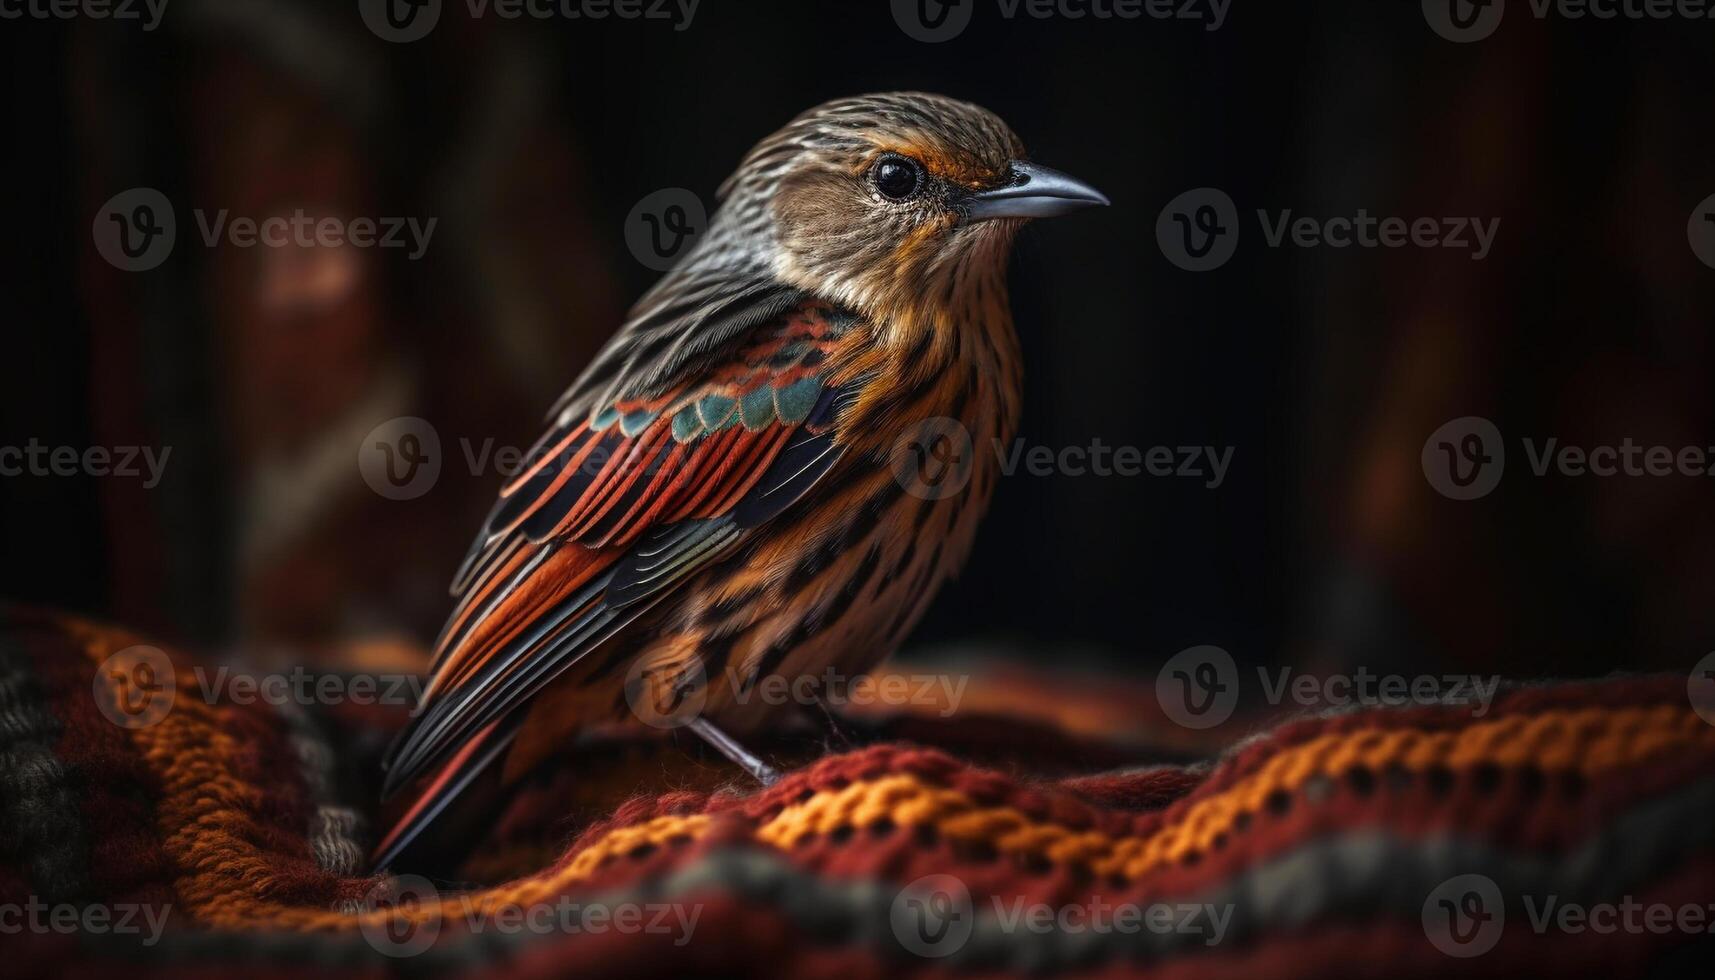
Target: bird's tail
{"x": 454, "y": 776}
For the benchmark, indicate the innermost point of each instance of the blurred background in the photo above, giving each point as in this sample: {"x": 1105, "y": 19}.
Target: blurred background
{"x": 532, "y": 143}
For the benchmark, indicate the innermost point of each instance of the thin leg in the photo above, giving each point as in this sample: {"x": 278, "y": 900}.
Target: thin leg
{"x": 833, "y": 723}
{"x": 735, "y": 753}
{"x": 851, "y": 729}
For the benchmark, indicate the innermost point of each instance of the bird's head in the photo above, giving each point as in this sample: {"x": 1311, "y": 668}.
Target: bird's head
{"x": 886, "y": 202}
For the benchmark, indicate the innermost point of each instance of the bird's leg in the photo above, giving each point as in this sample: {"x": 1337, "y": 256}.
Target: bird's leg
{"x": 726, "y": 745}
{"x": 833, "y": 723}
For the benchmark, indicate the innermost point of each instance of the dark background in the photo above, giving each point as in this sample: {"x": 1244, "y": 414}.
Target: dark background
{"x": 1324, "y": 369}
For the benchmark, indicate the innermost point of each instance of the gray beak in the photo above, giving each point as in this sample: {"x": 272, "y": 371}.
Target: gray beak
{"x": 1035, "y": 192}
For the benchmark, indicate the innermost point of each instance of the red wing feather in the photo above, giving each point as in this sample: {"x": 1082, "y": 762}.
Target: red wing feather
{"x": 537, "y": 579}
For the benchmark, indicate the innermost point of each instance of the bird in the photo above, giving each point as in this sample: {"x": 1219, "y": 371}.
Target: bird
{"x": 752, "y": 477}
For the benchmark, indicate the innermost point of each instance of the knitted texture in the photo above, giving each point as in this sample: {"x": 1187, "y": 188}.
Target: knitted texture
{"x": 1317, "y": 848}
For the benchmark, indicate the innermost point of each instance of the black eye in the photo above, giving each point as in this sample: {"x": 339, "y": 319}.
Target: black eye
{"x": 897, "y": 177}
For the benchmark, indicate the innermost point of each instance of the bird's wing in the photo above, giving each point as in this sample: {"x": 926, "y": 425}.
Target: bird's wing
{"x": 618, "y": 504}
{"x": 682, "y": 328}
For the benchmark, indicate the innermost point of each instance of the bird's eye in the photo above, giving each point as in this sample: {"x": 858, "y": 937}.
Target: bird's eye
{"x": 897, "y": 178}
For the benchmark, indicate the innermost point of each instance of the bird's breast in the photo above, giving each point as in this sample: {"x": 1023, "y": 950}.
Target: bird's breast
{"x": 837, "y": 583}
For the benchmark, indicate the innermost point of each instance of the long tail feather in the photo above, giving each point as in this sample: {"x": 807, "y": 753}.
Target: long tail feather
{"x": 454, "y": 778}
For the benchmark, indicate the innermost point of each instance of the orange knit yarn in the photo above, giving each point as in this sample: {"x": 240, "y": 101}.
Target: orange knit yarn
{"x": 206, "y": 819}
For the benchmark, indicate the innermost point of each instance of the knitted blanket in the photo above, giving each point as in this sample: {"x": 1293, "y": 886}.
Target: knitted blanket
{"x": 1570, "y": 829}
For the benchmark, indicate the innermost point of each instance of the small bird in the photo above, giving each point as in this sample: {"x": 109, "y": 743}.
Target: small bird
{"x": 728, "y": 492}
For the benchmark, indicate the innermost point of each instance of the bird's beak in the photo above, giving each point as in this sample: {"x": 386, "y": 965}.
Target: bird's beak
{"x": 1035, "y": 192}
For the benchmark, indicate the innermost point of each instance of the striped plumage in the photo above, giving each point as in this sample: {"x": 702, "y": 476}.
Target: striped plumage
{"x": 716, "y": 495}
